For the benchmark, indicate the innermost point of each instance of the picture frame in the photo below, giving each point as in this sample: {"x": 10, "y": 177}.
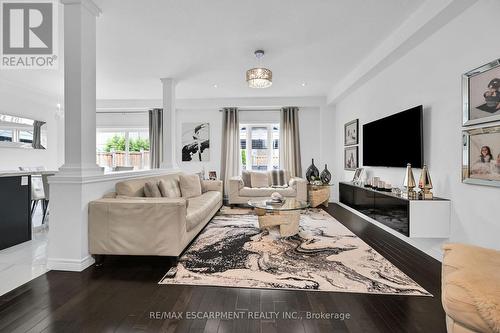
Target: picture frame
{"x": 351, "y": 133}
{"x": 195, "y": 142}
{"x": 481, "y": 94}
{"x": 357, "y": 175}
{"x": 481, "y": 156}
{"x": 212, "y": 175}
{"x": 351, "y": 158}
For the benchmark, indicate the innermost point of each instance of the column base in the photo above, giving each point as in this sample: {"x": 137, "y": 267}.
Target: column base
{"x": 79, "y": 170}
{"x": 71, "y": 265}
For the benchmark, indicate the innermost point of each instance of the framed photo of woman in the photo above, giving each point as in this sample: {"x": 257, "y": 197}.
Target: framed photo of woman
{"x": 351, "y": 133}
{"x": 481, "y": 156}
{"x": 481, "y": 94}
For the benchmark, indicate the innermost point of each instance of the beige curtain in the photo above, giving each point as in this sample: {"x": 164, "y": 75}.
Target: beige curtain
{"x": 155, "y": 137}
{"x": 230, "y": 154}
{"x": 290, "y": 141}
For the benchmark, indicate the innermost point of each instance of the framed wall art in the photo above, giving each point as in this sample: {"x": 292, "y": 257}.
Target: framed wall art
{"x": 351, "y": 158}
{"x": 195, "y": 142}
{"x": 481, "y": 94}
{"x": 351, "y": 130}
{"x": 481, "y": 156}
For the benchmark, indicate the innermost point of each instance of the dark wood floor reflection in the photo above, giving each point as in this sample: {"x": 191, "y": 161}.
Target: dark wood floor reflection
{"x": 121, "y": 295}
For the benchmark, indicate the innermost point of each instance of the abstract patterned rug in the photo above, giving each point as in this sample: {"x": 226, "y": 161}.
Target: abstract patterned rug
{"x": 233, "y": 252}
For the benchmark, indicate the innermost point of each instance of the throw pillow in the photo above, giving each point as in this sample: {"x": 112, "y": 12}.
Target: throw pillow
{"x": 151, "y": 190}
{"x": 259, "y": 179}
{"x": 278, "y": 178}
{"x": 247, "y": 178}
{"x": 190, "y": 186}
{"x": 169, "y": 188}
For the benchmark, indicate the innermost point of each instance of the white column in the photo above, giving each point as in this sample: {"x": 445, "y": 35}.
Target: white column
{"x": 80, "y": 87}
{"x": 75, "y": 184}
{"x": 169, "y": 124}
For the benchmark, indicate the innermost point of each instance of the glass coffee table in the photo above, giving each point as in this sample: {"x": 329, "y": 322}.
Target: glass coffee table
{"x": 286, "y": 216}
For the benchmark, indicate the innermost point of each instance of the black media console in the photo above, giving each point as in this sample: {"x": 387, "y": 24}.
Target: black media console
{"x": 412, "y": 218}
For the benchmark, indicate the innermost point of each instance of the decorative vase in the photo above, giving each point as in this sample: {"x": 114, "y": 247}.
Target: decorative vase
{"x": 326, "y": 176}
{"x": 311, "y": 172}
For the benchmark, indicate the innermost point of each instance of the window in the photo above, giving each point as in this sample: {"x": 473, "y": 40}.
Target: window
{"x": 6, "y": 135}
{"x": 259, "y": 146}
{"x": 123, "y": 148}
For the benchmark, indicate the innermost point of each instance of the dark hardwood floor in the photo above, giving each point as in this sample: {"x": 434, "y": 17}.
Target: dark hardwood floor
{"x": 121, "y": 295}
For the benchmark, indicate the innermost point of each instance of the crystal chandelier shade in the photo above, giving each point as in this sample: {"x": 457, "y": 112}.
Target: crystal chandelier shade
{"x": 259, "y": 77}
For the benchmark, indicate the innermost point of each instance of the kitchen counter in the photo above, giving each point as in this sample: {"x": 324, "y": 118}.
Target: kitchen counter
{"x": 15, "y": 173}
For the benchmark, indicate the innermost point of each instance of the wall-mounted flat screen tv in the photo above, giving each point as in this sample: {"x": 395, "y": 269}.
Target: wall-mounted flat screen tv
{"x": 395, "y": 140}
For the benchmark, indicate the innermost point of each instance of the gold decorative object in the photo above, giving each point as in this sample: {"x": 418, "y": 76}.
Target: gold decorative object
{"x": 425, "y": 183}
{"x": 259, "y": 77}
{"x": 409, "y": 184}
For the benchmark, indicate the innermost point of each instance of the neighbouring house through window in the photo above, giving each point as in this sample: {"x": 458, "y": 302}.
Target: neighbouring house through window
{"x": 121, "y": 148}
{"x": 259, "y": 146}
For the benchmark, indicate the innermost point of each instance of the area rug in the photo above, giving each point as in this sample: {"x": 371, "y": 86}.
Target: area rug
{"x": 325, "y": 256}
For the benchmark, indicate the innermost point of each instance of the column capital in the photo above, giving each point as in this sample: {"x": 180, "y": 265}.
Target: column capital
{"x": 166, "y": 80}
{"x": 90, "y": 5}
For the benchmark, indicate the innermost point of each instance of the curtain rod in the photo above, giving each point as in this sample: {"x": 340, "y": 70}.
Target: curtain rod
{"x": 120, "y": 112}
{"x": 251, "y": 110}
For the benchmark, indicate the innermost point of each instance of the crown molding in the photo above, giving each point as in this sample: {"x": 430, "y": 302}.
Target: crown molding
{"x": 210, "y": 103}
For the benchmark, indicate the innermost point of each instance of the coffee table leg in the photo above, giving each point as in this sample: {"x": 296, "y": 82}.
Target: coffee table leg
{"x": 291, "y": 227}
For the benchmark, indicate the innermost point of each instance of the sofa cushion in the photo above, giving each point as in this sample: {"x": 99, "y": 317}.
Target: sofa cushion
{"x": 135, "y": 187}
{"x": 151, "y": 189}
{"x": 247, "y": 178}
{"x": 200, "y": 207}
{"x": 259, "y": 179}
{"x": 278, "y": 178}
{"x": 190, "y": 186}
{"x": 169, "y": 188}
{"x": 266, "y": 192}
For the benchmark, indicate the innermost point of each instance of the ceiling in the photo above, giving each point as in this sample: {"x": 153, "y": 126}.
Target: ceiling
{"x": 207, "y": 43}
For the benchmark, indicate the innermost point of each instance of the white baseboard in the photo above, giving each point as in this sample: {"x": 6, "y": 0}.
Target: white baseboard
{"x": 71, "y": 265}
{"x": 436, "y": 254}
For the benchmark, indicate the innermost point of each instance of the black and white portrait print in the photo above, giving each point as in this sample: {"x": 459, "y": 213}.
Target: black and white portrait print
{"x": 195, "y": 142}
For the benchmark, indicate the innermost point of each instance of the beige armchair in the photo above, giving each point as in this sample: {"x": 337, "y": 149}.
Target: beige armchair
{"x": 238, "y": 193}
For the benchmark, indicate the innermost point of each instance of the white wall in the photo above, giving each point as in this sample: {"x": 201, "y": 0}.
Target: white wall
{"x": 430, "y": 74}
{"x": 214, "y": 118}
{"x": 16, "y": 100}
{"x": 308, "y": 124}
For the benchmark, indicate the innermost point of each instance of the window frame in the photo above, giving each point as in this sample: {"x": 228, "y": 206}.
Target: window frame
{"x": 248, "y": 144}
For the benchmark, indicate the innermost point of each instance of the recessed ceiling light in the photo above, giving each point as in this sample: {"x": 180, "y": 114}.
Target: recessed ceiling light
{"x": 215, "y": 86}
{"x": 303, "y": 84}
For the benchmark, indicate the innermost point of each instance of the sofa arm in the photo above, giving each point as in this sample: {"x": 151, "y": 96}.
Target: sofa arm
{"x": 137, "y": 226}
{"x": 211, "y": 185}
{"x": 233, "y": 189}
{"x": 300, "y": 186}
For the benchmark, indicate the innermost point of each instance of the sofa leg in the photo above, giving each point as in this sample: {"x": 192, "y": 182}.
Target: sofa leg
{"x": 99, "y": 260}
{"x": 174, "y": 261}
